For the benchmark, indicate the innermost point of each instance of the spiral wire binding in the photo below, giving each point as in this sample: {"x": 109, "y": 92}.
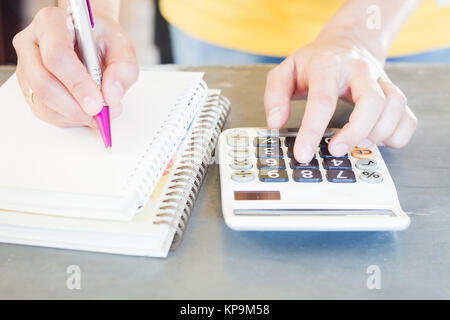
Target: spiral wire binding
{"x": 154, "y": 159}
{"x": 190, "y": 170}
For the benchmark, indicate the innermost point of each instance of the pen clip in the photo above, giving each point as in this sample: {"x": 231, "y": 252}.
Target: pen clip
{"x": 91, "y": 17}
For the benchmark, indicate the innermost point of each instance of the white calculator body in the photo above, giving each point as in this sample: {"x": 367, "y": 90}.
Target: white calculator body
{"x": 264, "y": 188}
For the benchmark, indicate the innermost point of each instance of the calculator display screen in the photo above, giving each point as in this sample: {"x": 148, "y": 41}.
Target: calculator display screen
{"x": 257, "y": 195}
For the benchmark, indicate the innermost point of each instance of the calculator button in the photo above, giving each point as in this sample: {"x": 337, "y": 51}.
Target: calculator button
{"x": 307, "y": 175}
{"x": 271, "y": 163}
{"x": 238, "y": 139}
{"x": 325, "y": 141}
{"x": 371, "y": 177}
{"x": 290, "y": 152}
{"x": 289, "y": 141}
{"x": 367, "y": 165}
{"x": 362, "y": 153}
{"x": 337, "y": 164}
{"x": 324, "y": 153}
{"x": 241, "y": 164}
{"x": 273, "y": 175}
{"x": 289, "y": 132}
{"x": 285, "y": 132}
{"x": 341, "y": 176}
{"x": 239, "y": 153}
{"x": 269, "y": 132}
{"x": 269, "y": 152}
{"x": 313, "y": 164}
{"x": 266, "y": 141}
{"x": 329, "y": 132}
{"x": 242, "y": 176}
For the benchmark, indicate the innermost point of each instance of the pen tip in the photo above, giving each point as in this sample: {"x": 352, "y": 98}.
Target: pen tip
{"x": 104, "y": 126}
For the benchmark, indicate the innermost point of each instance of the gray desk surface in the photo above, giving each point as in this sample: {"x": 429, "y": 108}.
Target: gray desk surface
{"x": 216, "y": 262}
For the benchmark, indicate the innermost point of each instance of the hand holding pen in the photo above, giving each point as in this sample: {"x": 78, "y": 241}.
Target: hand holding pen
{"x": 59, "y": 88}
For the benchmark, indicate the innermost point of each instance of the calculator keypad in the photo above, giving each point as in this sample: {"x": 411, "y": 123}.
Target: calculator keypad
{"x": 307, "y": 175}
{"x": 325, "y": 141}
{"x": 238, "y": 138}
{"x": 325, "y": 153}
{"x": 266, "y": 141}
{"x": 367, "y": 165}
{"x": 341, "y": 176}
{"x": 371, "y": 177}
{"x": 269, "y": 152}
{"x": 243, "y": 176}
{"x": 337, "y": 164}
{"x": 290, "y": 152}
{"x": 241, "y": 164}
{"x": 270, "y": 160}
{"x": 289, "y": 141}
{"x": 362, "y": 153}
{"x": 271, "y": 163}
{"x": 313, "y": 164}
{"x": 273, "y": 175}
{"x": 239, "y": 153}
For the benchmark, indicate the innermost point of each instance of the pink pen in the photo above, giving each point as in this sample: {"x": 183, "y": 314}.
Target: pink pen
{"x": 84, "y": 23}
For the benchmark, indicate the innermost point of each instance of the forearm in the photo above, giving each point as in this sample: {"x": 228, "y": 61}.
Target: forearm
{"x": 371, "y": 23}
{"x": 105, "y": 7}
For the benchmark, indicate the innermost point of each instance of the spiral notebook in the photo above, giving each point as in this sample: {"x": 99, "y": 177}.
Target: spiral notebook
{"x": 155, "y": 229}
{"x": 68, "y": 172}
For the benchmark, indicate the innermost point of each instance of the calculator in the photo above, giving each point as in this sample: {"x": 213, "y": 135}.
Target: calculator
{"x": 264, "y": 188}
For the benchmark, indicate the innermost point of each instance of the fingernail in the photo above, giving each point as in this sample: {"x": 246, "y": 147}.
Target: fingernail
{"x": 365, "y": 143}
{"x": 116, "y": 93}
{"x": 91, "y": 105}
{"x": 339, "y": 149}
{"x": 275, "y": 118}
{"x": 304, "y": 154}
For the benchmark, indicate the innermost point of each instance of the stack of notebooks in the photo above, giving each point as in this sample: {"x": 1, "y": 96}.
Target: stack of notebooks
{"x": 61, "y": 188}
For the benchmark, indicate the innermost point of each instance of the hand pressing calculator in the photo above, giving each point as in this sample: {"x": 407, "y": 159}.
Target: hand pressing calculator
{"x": 264, "y": 188}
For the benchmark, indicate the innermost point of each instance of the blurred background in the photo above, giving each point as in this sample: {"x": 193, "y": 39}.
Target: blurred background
{"x": 17, "y": 14}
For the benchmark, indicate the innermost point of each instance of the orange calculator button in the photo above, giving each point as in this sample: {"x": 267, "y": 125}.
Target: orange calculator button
{"x": 362, "y": 153}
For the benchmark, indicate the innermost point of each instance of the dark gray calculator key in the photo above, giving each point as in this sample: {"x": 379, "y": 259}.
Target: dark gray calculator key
{"x": 341, "y": 176}
{"x": 313, "y": 164}
{"x": 329, "y": 132}
{"x": 273, "y": 175}
{"x": 269, "y": 152}
{"x": 324, "y": 153}
{"x": 337, "y": 164}
{"x": 289, "y": 141}
{"x": 307, "y": 175}
{"x": 266, "y": 141}
{"x": 290, "y": 152}
{"x": 271, "y": 163}
{"x": 325, "y": 141}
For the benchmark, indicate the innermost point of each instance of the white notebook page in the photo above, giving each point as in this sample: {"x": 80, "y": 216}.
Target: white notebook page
{"x": 38, "y": 156}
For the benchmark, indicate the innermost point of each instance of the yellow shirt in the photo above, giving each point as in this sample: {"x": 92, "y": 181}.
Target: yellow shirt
{"x": 279, "y": 27}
